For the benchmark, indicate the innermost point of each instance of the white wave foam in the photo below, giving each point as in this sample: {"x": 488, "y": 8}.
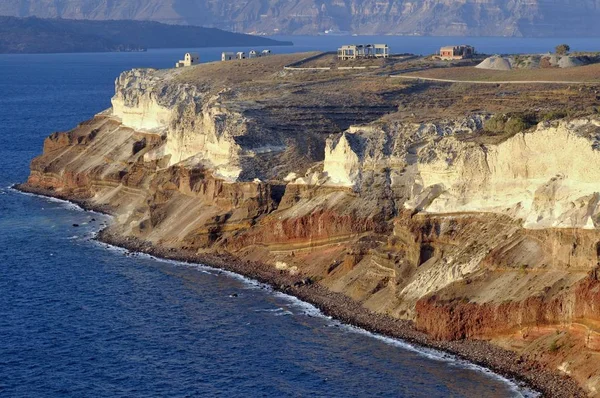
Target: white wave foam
{"x": 304, "y": 307}
{"x": 308, "y": 309}
{"x": 111, "y": 248}
{"x": 64, "y": 203}
{"x": 276, "y": 311}
{"x": 441, "y": 356}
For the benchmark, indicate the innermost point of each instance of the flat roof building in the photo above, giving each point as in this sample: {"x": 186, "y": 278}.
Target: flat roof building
{"x": 227, "y": 56}
{"x": 357, "y": 51}
{"x": 457, "y": 52}
{"x": 189, "y": 59}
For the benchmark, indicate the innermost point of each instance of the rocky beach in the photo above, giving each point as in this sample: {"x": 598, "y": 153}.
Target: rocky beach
{"x": 340, "y": 307}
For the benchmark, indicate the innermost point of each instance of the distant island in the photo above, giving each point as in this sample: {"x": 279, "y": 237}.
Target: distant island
{"x": 35, "y": 35}
{"x": 535, "y": 18}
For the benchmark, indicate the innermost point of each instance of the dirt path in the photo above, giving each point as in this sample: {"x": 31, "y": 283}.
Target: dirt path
{"x": 431, "y": 79}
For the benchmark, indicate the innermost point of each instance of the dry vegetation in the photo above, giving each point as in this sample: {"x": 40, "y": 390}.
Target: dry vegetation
{"x": 431, "y": 101}
{"x": 365, "y": 95}
{"x": 239, "y": 71}
{"x": 328, "y": 60}
{"x": 589, "y": 73}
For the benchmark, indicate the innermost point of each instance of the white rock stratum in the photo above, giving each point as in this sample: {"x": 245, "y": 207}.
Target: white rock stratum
{"x": 194, "y": 123}
{"x": 548, "y": 176}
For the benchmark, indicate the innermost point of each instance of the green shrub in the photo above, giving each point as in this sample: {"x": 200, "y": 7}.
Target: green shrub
{"x": 496, "y": 123}
{"x": 512, "y": 124}
{"x": 563, "y": 49}
{"x": 554, "y": 115}
{"x": 515, "y": 125}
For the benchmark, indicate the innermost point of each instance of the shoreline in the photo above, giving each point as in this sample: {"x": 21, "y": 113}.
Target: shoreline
{"x": 523, "y": 373}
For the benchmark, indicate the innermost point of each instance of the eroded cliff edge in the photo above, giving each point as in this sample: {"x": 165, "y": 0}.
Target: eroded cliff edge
{"x": 392, "y": 195}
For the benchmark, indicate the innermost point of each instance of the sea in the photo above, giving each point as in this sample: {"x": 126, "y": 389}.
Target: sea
{"x": 79, "y": 318}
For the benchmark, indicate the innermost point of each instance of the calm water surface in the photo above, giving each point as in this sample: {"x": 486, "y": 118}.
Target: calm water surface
{"x": 78, "y": 319}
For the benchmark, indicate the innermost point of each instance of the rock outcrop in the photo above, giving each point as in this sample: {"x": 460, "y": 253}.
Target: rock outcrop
{"x": 546, "y": 177}
{"x": 193, "y": 122}
{"x": 464, "y": 234}
{"x": 547, "y": 61}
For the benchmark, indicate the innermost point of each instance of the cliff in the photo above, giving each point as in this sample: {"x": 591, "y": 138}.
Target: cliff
{"x": 340, "y": 179}
{"x": 558, "y": 18}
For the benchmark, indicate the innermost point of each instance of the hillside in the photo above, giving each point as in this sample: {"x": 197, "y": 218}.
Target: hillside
{"x": 34, "y": 35}
{"x": 421, "y": 17}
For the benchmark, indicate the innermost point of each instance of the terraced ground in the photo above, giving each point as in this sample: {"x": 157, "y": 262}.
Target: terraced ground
{"x": 315, "y": 102}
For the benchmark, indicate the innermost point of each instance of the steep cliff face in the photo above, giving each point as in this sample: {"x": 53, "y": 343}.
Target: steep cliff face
{"x": 193, "y": 122}
{"x": 466, "y": 235}
{"x": 425, "y": 17}
{"x": 546, "y": 177}
{"x": 233, "y": 126}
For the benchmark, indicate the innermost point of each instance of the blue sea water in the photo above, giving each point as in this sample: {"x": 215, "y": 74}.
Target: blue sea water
{"x": 80, "y": 319}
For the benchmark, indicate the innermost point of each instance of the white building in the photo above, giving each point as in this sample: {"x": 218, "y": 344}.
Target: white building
{"x": 354, "y": 51}
{"x": 188, "y": 60}
{"x": 381, "y": 50}
{"x": 227, "y": 56}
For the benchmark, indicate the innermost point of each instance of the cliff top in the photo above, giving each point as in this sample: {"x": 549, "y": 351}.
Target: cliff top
{"x": 265, "y": 90}
{"x": 240, "y": 71}
{"x": 280, "y": 118}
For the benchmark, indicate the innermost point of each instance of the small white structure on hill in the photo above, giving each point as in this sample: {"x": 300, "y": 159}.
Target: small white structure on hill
{"x": 227, "y": 56}
{"x": 188, "y": 60}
